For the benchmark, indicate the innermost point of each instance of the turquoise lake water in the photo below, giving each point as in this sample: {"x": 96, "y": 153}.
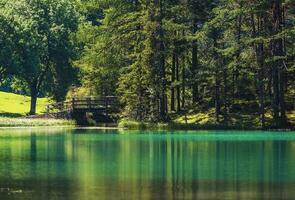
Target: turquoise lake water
{"x": 70, "y": 164}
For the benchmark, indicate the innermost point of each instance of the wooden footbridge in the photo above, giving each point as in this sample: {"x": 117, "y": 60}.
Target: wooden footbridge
{"x": 78, "y": 108}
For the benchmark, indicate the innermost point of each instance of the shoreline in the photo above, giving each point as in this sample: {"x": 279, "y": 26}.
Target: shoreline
{"x": 34, "y": 127}
{"x": 140, "y": 129}
{"x": 24, "y": 123}
{"x": 195, "y": 127}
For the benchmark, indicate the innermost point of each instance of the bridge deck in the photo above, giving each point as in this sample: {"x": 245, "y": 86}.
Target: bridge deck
{"x": 84, "y": 104}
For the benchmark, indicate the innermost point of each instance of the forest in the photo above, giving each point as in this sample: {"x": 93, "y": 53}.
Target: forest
{"x": 233, "y": 61}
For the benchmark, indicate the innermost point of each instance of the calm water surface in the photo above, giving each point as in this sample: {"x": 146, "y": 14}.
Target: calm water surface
{"x": 98, "y": 164}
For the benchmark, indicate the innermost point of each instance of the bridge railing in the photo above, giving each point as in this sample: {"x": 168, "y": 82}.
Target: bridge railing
{"x": 86, "y": 103}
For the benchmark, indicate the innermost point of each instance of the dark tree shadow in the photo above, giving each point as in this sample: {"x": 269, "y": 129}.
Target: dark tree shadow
{"x": 7, "y": 114}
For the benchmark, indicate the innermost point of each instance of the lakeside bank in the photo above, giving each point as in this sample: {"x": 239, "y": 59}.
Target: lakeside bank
{"x": 26, "y": 122}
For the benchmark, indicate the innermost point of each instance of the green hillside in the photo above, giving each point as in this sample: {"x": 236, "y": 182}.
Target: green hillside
{"x": 14, "y": 105}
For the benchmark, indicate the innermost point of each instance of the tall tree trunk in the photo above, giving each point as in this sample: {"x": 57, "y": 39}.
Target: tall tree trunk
{"x": 35, "y": 87}
{"x": 275, "y": 67}
{"x": 34, "y": 95}
{"x": 225, "y": 94}
{"x": 235, "y": 74}
{"x": 195, "y": 89}
{"x": 217, "y": 95}
{"x": 278, "y": 76}
{"x": 183, "y": 84}
{"x": 158, "y": 59}
{"x": 173, "y": 82}
{"x": 217, "y": 81}
{"x": 260, "y": 58}
{"x": 162, "y": 77}
{"x": 283, "y": 117}
{"x": 178, "y": 86}
{"x": 163, "y": 97}
{"x": 283, "y": 81}
{"x": 275, "y": 103}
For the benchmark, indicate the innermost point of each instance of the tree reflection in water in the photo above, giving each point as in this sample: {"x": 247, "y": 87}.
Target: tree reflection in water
{"x": 66, "y": 164}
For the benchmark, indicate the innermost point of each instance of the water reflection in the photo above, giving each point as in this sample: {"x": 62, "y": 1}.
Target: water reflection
{"x": 106, "y": 165}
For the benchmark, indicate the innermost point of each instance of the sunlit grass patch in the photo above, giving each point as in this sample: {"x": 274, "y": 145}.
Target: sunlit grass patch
{"x": 14, "y": 105}
{"x": 291, "y": 117}
{"x": 199, "y": 118}
{"x": 24, "y": 122}
{"x": 135, "y": 125}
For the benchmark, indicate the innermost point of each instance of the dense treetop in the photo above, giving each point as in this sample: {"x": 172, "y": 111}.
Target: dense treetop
{"x": 160, "y": 57}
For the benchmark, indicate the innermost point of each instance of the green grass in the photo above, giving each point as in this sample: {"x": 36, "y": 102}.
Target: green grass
{"x": 291, "y": 116}
{"x": 206, "y": 120}
{"x": 14, "y": 105}
{"x": 24, "y": 122}
{"x": 14, "y": 108}
{"x": 136, "y": 125}
{"x": 172, "y": 125}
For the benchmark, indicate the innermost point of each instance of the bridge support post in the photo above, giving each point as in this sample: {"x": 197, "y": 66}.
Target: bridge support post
{"x": 80, "y": 118}
{"x": 89, "y": 103}
{"x": 106, "y": 106}
{"x": 73, "y": 103}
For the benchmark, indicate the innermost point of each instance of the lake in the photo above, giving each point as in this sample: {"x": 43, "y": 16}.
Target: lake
{"x": 49, "y": 163}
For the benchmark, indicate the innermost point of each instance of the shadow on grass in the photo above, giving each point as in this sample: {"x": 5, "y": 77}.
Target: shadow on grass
{"x": 11, "y": 115}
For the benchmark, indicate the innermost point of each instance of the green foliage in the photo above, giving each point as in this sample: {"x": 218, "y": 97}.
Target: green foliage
{"x": 197, "y": 54}
{"x": 38, "y": 37}
{"x": 159, "y": 57}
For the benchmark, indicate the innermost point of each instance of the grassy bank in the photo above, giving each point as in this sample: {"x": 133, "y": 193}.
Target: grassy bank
{"x": 206, "y": 121}
{"x": 24, "y": 122}
{"x": 14, "y": 105}
{"x": 14, "y": 108}
{"x": 136, "y": 125}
